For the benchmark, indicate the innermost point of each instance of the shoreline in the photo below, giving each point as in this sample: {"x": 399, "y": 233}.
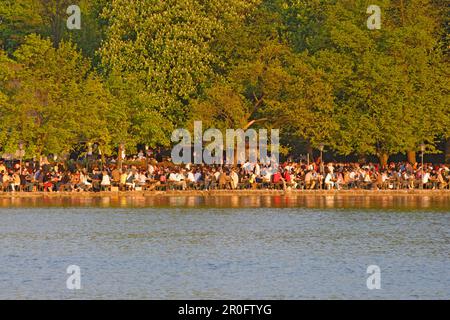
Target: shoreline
{"x": 225, "y": 193}
{"x": 238, "y": 199}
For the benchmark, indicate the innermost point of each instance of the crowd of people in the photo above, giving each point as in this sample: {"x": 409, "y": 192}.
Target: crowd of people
{"x": 152, "y": 175}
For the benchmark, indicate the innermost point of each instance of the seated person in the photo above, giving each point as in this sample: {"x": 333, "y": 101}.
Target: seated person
{"x": 106, "y": 181}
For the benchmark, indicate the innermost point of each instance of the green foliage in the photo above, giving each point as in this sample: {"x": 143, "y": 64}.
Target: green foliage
{"x": 138, "y": 69}
{"x": 166, "y": 48}
{"x": 389, "y": 85}
{"x": 54, "y": 101}
{"x": 17, "y": 19}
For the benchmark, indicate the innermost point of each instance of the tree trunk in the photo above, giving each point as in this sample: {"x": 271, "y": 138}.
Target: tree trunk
{"x": 402, "y": 11}
{"x": 119, "y": 158}
{"x": 447, "y": 151}
{"x": 309, "y": 151}
{"x": 411, "y": 154}
{"x": 384, "y": 157}
{"x": 102, "y": 159}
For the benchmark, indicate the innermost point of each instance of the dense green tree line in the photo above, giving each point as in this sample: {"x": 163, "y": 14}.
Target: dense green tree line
{"x": 138, "y": 69}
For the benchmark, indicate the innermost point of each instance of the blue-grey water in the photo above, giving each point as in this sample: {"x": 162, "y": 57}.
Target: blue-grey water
{"x": 179, "y": 251}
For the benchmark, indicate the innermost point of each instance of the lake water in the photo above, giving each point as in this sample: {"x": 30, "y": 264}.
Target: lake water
{"x": 225, "y": 248}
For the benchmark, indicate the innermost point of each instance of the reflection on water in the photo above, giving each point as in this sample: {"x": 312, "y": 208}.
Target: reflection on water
{"x": 401, "y": 202}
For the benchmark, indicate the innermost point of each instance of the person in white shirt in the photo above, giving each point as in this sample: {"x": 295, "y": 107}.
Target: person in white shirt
{"x": 142, "y": 179}
{"x": 181, "y": 180}
{"x": 217, "y": 175}
{"x": 425, "y": 178}
{"x": 85, "y": 181}
{"x": 234, "y": 179}
{"x": 197, "y": 176}
{"x": 131, "y": 180}
{"x": 151, "y": 169}
{"x": 408, "y": 179}
{"x": 106, "y": 181}
{"x": 330, "y": 168}
{"x": 257, "y": 170}
{"x": 190, "y": 177}
{"x": 329, "y": 181}
{"x": 352, "y": 175}
{"x": 177, "y": 179}
{"x": 173, "y": 177}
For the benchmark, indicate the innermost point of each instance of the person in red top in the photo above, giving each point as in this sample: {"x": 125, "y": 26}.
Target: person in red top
{"x": 276, "y": 177}
{"x": 287, "y": 176}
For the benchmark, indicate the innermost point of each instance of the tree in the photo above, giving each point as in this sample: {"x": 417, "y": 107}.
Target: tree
{"x": 388, "y": 84}
{"x": 47, "y": 18}
{"x": 266, "y": 83}
{"x": 54, "y": 14}
{"x": 160, "y": 50}
{"x": 17, "y": 19}
{"x": 53, "y": 99}
{"x": 311, "y": 68}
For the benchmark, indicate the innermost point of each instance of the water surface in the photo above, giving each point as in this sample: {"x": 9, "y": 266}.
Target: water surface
{"x": 194, "y": 249}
